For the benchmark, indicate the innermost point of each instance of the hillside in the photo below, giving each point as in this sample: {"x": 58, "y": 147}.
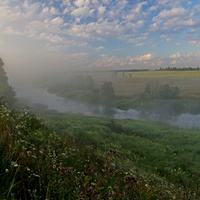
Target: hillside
{"x": 67, "y": 156}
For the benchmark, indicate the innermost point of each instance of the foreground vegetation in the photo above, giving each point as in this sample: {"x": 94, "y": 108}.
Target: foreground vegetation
{"x": 76, "y": 157}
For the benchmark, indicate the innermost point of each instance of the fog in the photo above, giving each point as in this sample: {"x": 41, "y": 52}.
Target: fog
{"x": 41, "y": 37}
{"x": 27, "y": 83}
{"x": 33, "y": 96}
{"x": 186, "y": 121}
{"x": 36, "y": 97}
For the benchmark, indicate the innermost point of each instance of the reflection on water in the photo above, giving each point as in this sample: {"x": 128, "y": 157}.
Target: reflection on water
{"x": 53, "y": 102}
{"x": 187, "y": 121}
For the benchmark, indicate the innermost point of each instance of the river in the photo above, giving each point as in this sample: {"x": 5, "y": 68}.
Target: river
{"x": 54, "y": 102}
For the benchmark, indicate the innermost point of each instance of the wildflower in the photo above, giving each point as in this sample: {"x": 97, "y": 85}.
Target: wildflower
{"x": 14, "y": 164}
{"x": 54, "y": 166}
{"x": 28, "y": 169}
{"x": 36, "y": 175}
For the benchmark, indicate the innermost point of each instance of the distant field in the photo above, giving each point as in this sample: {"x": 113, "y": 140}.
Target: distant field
{"x": 128, "y": 83}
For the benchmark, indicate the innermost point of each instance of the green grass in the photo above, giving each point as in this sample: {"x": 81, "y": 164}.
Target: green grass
{"x": 66, "y": 156}
{"x": 129, "y": 83}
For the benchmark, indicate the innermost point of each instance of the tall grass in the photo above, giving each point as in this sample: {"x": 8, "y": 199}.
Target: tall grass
{"x": 91, "y": 158}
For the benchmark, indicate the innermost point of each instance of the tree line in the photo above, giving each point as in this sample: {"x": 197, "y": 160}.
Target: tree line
{"x": 178, "y": 69}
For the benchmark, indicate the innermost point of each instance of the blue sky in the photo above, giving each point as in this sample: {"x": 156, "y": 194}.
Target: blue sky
{"x": 99, "y": 34}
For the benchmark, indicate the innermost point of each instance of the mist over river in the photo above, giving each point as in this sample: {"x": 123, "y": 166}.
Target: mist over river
{"x": 32, "y": 95}
{"x": 187, "y": 121}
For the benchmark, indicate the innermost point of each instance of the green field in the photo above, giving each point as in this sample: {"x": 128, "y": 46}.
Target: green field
{"x": 129, "y": 83}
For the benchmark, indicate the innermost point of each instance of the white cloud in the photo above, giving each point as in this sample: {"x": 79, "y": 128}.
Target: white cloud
{"x": 50, "y": 37}
{"x": 153, "y": 8}
{"x": 53, "y": 11}
{"x": 8, "y": 15}
{"x": 84, "y": 11}
{"x": 176, "y": 55}
{"x": 174, "y": 20}
{"x": 191, "y": 22}
{"x": 99, "y": 48}
{"x": 173, "y": 62}
{"x": 141, "y": 58}
{"x": 45, "y": 10}
{"x": 174, "y": 12}
{"x": 169, "y": 3}
{"x": 104, "y": 1}
{"x": 66, "y": 3}
{"x": 95, "y": 30}
{"x": 110, "y": 62}
{"x": 66, "y": 11}
{"x": 30, "y": 7}
{"x": 195, "y": 42}
{"x": 101, "y": 10}
{"x": 9, "y": 30}
{"x": 81, "y": 3}
{"x": 57, "y": 20}
{"x": 144, "y": 57}
{"x": 49, "y": 11}
{"x": 136, "y": 12}
{"x": 166, "y": 37}
{"x": 154, "y": 27}
{"x": 190, "y": 59}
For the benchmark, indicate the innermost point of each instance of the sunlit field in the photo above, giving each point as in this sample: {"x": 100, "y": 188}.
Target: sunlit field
{"x": 127, "y": 83}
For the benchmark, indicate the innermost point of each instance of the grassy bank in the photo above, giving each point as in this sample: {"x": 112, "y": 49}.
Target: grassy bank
{"x": 67, "y": 156}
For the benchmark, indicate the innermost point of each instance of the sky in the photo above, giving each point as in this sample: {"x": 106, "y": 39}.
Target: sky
{"x": 48, "y": 35}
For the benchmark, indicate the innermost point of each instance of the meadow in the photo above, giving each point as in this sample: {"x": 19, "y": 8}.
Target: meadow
{"x": 128, "y": 83}
{"x": 68, "y": 156}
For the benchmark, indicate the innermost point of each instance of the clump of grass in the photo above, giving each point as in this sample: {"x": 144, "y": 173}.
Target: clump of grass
{"x": 38, "y": 163}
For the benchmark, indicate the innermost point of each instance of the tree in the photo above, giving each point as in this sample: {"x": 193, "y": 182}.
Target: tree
{"x": 107, "y": 95}
{"x": 3, "y": 76}
{"x": 5, "y": 89}
{"x": 147, "y": 90}
{"x": 169, "y": 92}
{"x": 151, "y": 90}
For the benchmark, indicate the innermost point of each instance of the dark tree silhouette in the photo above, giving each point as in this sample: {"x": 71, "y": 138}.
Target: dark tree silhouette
{"x": 107, "y": 95}
{"x": 6, "y": 90}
